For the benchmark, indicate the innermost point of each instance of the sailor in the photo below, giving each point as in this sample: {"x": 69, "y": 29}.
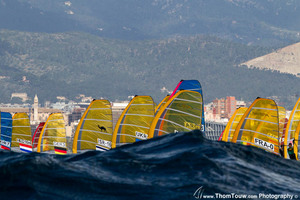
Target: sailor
{"x": 281, "y": 151}
{"x": 291, "y": 152}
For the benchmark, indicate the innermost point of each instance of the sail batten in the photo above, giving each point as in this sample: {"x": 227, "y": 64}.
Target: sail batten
{"x": 260, "y": 120}
{"x": 145, "y": 127}
{"x": 179, "y": 111}
{"x": 98, "y": 120}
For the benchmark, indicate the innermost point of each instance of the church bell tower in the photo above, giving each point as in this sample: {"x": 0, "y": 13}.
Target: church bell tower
{"x": 35, "y": 109}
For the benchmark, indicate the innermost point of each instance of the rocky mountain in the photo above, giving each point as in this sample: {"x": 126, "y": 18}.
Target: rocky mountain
{"x": 285, "y": 60}
{"x": 263, "y": 22}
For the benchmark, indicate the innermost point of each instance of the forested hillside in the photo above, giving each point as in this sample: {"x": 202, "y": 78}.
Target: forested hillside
{"x": 68, "y": 64}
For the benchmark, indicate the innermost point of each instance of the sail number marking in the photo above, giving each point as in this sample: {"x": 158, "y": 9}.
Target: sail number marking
{"x": 140, "y": 135}
{"x": 264, "y": 144}
{"x": 104, "y": 143}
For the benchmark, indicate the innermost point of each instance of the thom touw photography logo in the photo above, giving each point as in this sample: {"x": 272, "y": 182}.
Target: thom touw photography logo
{"x": 199, "y": 193}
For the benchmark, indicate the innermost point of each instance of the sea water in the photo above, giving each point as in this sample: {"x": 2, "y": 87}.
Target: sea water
{"x": 175, "y": 166}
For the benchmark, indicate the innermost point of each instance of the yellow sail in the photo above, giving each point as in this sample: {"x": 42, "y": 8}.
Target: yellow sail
{"x": 21, "y": 140}
{"x": 232, "y": 124}
{"x": 291, "y": 133}
{"x": 94, "y": 131}
{"x": 133, "y": 124}
{"x": 183, "y": 112}
{"x": 259, "y": 126}
{"x": 53, "y": 136}
{"x": 162, "y": 103}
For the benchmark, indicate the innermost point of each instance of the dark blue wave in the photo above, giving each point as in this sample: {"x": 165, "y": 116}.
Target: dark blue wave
{"x": 168, "y": 167}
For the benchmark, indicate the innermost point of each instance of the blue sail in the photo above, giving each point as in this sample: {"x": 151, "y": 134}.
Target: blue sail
{"x": 6, "y": 130}
{"x": 193, "y": 85}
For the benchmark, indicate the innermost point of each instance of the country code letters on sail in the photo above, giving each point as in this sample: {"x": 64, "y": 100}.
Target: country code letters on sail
{"x": 59, "y": 144}
{"x": 104, "y": 143}
{"x": 5, "y": 143}
{"x": 24, "y": 141}
{"x": 191, "y": 125}
{"x": 142, "y": 136}
{"x": 264, "y": 144}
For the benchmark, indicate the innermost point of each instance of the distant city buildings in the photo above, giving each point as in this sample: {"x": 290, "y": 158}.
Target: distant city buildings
{"x": 72, "y": 111}
{"x": 22, "y": 96}
{"x": 75, "y": 115}
{"x": 25, "y": 80}
{"x": 36, "y": 113}
{"x": 220, "y": 110}
{"x": 83, "y": 98}
{"x": 240, "y": 104}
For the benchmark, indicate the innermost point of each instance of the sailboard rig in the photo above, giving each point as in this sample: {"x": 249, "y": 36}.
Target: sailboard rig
{"x": 6, "y": 130}
{"x": 134, "y": 122}
{"x": 181, "y": 113}
{"x": 292, "y": 131}
{"x": 21, "y": 140}
{"x": 36, "y": 135}
{"x": 232, "y": 124}
{"x": 192, "y": 85}
{"x": 53, "y": 136}
{"x": 259, "y": 126}
{"x": 94, "y": 131}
